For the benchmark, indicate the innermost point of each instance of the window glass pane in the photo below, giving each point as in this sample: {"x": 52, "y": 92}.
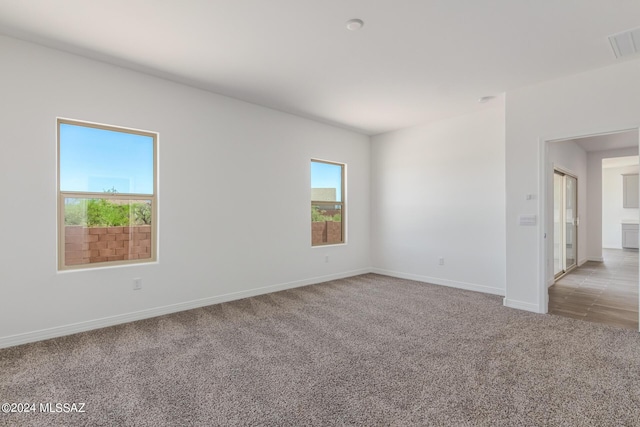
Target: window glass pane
{"x": 326, "y": 223}
{"x": 327, "y": 203}
{"x": 104, "y": 229}
{"x": 100, "y": 160}
{"x": 326, "y": 182}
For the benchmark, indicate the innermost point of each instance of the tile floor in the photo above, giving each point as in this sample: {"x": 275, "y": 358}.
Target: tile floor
{"x": 604, "y": 292}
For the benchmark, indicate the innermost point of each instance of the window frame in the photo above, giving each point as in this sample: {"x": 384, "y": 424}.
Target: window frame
{"x": 342, "y": 203}
{"x": 62, "y": 195}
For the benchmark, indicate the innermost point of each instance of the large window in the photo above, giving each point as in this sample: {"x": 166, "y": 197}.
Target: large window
{"x": 106, "y": 195}
{"x": 327, "y": 203}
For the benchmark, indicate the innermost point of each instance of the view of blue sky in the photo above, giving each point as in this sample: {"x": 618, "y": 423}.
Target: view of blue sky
{"x": 96, "y": 160}
{"x": 327, "y": 175}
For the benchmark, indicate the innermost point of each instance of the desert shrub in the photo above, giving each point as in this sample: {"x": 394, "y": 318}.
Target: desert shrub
{"x": 106, "y": 213}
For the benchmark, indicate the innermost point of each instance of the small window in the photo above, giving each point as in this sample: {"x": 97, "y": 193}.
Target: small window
{"x": 327, "y": 203}
{"x": 106, "y": 195}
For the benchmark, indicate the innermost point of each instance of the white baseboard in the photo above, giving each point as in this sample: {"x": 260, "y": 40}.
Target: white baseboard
{"x": 521, "y": 305}
{"x": 58, "y": 331}
{"x": 441, "y": 282}
{"x": 596, "y": 259}
{"x": 582, "y": 261}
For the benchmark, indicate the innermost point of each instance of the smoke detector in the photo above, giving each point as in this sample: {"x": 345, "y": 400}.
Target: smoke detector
{"x": 625, "y": 43}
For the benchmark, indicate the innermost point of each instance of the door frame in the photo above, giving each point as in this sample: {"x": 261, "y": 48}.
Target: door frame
{"x": 565, "y": 172}
{"x": 545, "y": 190}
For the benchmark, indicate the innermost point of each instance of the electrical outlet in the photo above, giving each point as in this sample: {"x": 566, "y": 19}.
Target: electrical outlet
{"x": 137, "y": 284}
{"x": 326, "y": 258}
{"x": 440, "y": 261}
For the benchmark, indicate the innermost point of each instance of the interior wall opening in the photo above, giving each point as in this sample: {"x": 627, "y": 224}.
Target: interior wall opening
{"x": 591, "y": 269}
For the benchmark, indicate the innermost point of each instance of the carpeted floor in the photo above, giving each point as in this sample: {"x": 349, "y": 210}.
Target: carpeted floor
{"x": 368, "y": 350}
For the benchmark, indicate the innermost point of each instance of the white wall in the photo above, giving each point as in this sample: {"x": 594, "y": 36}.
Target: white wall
{"x": 594, "y": 202}
{"x": 589, "y": 103}
{"x": 219, "y": 238}
{"x": 612, "y": 211}
{"x": 438, "y": 191}
{"x": 571, "y": 158}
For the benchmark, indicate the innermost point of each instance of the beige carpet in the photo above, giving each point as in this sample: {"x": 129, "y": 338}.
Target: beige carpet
{"x": 368, "y": 350}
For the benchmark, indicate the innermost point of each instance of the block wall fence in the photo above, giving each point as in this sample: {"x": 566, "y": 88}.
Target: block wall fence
{"x": 326, "y": 232}
{"x": 85, "y": 245}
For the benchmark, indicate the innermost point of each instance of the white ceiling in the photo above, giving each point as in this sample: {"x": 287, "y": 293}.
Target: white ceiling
{"x": 414, "y": 61}
{"x": 612, "y": 141}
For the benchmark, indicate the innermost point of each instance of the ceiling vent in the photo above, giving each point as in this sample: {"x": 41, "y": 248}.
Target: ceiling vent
{"x": 625, "y": 43}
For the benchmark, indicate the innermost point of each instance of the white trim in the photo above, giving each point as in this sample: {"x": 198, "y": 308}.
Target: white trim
{"x": 441, "y": 282}
{"x": 565, "y": 171}
{"x": 521, "y": 305}
{"x": 593, "y": 132}
{"x": 595, "y": 258}
{"x": 74, "y": 328}
{"x": 545, "y": 236}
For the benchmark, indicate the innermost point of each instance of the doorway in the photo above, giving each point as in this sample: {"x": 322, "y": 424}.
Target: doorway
{"x": 565, "y": 223}
{"x": 595, "y": 281}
